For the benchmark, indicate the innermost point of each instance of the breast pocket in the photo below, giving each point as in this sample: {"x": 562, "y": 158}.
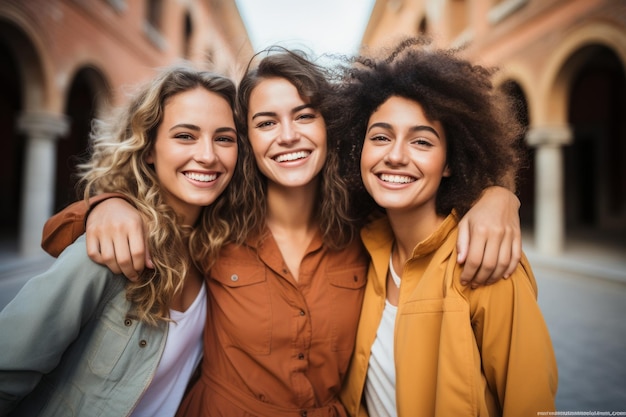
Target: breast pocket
{"x": 111, "y": 335}
{"x": 346, "y": 295}
{"x": 241, "y": 307}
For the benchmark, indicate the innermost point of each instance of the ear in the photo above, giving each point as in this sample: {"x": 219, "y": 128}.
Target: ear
{"x": 149, "y": 157}
{"x": 447, "y": 172}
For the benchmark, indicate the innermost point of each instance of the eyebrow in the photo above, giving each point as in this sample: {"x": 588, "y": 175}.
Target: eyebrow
{"x": 225, "y": 129}
{"x": 185, "y": 126}
{"x": 418, "y": 128}
{"x": 197, "y": 128}
{"x": 273, "y": 114}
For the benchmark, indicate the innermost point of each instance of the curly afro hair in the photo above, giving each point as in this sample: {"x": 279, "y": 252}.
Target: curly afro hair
{"x": 479, "y": 121}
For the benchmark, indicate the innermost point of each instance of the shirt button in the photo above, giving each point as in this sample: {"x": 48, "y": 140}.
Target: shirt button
{"x": 234, "y": 277}
{"x": 285, "y": 271}
{"x": 356, "y": 278}
{"x": 128, "y": 322}
{"x": 143, "y": 343}
{"x": 300, "y": 356}
{"x": 302, "y": 313}
{"x": 303, "y": 413}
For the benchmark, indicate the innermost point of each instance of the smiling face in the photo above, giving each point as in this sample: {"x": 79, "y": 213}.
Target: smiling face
{"x": 195, "y": 152}
{"x": 403, "y": 157}
{"x": 287, "y": 135}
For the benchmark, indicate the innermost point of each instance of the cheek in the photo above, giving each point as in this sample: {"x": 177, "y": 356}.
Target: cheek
{"x": 256, "y": 142}
{"x": 229, "y": 159}
{"x": 367, "y": 157}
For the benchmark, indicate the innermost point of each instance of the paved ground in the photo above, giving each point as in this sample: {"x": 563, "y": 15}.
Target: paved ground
{"x": 582, "y": 295}
{"x": 587, "y": 321}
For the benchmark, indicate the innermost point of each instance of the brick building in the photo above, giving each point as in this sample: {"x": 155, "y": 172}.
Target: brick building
{"x": 62, "y": 62}
{"x": 566, "y": 62}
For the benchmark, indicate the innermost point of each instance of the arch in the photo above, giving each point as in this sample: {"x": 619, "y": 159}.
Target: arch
{"x": 524, "y": 78}
{"x": 563, "y": 64}
{"x": 96, "y": 80}
{"x": 87, "y": 97}
{"x": 526, "y": 175}
{"x": 23, "y": 38}
{"x": 595, "y": 161}
{"x": 23, "y": 82}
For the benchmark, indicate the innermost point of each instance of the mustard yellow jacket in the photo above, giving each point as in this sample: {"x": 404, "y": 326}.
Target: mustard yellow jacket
{"x": 458, "y": 352}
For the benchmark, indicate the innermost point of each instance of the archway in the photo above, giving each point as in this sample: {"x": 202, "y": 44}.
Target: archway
{"x": 87, "y": 95}
{"x": 12, "y": 155}
{"x": 526, "y": 174}
{"x": 595, "y": 163}
{"x": 21, "y": 90}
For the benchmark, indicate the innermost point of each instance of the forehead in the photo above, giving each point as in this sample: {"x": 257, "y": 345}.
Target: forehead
{"x": 396, "y": 107}
{"x": 198, "y": 104}
{"x": 399, "y": 114}
{"x": 275, "y": 91}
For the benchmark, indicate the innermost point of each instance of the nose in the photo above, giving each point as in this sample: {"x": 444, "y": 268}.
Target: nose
{"x": 288, "y": 133}
{"x": 396, "y": 154}
{"x": 204, "y": 153}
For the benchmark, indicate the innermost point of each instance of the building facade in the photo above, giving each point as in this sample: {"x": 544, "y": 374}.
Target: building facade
{"x": 565, "y": 61}
{"x": 64, "y": 62}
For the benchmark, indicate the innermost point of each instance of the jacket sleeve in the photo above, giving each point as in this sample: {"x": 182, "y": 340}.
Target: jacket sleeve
{"x": 64, "y": 227}
{"x": 45, "y": 317}
{"x": 515, "y": 347}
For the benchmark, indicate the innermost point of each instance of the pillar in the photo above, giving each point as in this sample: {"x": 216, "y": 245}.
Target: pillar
{"x": 549, "y": 226}
{"x": 42, "y": 130}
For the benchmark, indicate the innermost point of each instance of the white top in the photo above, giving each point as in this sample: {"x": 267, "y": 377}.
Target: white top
{"x": 182, "y": 353}
{"x": 380, "y": 385}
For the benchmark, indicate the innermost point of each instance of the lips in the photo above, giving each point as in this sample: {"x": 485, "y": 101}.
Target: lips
{"x": 292, "y": 156}
{"x": 201, "y": 177}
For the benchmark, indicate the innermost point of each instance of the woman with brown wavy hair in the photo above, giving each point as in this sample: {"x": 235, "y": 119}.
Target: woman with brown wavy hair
{"x": 79, "y": 340}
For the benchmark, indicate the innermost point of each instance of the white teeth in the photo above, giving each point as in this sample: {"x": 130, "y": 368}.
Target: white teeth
{"x": 398, "y": 179}
{"x": 201, "y": 177}
{"x": 292, "y": 156}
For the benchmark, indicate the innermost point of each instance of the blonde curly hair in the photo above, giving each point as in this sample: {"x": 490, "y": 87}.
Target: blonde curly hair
{"x": 118, "y": 164}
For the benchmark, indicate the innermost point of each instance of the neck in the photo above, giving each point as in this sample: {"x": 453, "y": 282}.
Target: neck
{"x": 291, "y": 208}
{"x": 412, "y": 227}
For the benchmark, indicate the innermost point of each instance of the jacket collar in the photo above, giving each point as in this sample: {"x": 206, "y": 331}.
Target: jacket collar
{"x": 378, "y": 239}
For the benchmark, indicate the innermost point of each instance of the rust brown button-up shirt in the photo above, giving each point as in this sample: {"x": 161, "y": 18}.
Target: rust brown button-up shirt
{"x": 273, "y": 345}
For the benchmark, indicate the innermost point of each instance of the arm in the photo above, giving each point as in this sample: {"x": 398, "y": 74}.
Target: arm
{"x": 44, "y": 318}
{"x": 114, "y": 228}
{"x": 62, "y": 229}
{"x": 490, "y": 239}
{"x": 515, "y": 345}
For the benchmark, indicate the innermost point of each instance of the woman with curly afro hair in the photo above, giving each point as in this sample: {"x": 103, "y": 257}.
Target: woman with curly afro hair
{"x": 427, "y": 132}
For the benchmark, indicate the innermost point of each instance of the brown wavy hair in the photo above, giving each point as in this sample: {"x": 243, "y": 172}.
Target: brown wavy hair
{"x": 314, "y": 88}
{"x": 479, "y": 120}
{"x": 118, "y": 164}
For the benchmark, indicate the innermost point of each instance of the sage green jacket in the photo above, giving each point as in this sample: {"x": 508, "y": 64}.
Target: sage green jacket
{"x": 68, "y": 347}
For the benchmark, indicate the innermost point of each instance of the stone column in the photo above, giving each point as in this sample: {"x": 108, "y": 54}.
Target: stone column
{"x": 42, "y": 130}
{"x": 549, "y": 190}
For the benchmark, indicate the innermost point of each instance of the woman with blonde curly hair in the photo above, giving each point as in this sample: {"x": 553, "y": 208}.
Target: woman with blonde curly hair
{"x": 80, "y": 340}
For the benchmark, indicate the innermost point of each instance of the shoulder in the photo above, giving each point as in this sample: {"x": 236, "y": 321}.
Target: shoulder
{"x": 520, "y": 287}
{"x": 76, "y": 271}
{"x": 75, "y": 256}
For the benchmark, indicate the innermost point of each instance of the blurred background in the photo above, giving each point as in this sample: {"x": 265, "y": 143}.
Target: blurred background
{"x": 64, "y": 62}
